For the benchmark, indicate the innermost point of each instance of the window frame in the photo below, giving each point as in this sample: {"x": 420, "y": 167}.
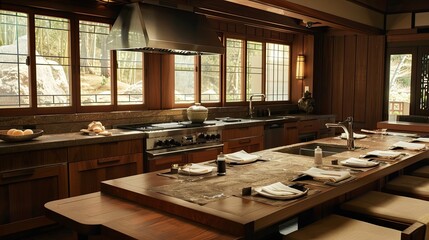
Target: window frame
{"x": 75, "y": 104}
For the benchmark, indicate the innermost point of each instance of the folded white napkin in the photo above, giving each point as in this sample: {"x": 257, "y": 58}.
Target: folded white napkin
{"x": 279, "y": 189}
{"x": 327, "y": 175}
{"x": 241, "y": 157}
{"x": 421, "y": 139}
{"x": 196, "y": 169}
{"x": 409, "y": 146}
{"x": 355, "y": 135}
{"x": 385, "y": 154}
{"x": 356, "y": 162}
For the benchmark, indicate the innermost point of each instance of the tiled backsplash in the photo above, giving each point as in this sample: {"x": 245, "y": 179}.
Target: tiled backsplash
{"x": 65, "y": 123}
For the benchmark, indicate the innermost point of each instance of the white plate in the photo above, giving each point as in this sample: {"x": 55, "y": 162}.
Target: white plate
{"x": 280, "y": 197}
{"x": 196, "y": 169}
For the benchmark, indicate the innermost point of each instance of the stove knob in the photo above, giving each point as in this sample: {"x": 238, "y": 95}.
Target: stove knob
{"x": 172, "y": 142}
{"x": 159, "y": 143}
{"x": 166, "y": 142}
{"x": 201, "y": 136}
{"x": 213, "y": 136}
{"x": 207, "y": 136}
{"x": 218, "y": 136}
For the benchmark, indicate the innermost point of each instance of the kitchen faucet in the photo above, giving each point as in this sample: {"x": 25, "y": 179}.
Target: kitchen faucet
{"x": 250, "y": 102}
{"x": 347, "y": 126}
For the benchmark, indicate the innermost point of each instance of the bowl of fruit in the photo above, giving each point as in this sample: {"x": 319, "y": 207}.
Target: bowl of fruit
{"x": 19, "y": 135}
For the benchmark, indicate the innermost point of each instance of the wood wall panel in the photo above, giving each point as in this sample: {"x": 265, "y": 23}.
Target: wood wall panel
{"x": 375, "y": 80}
{"x": 352, "y": 79}
{"x": 360, "y": 78}
{"x": 349, "y": 75}
{"x": 338, "y": 76}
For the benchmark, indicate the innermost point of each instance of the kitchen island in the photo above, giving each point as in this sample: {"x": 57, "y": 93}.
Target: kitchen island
{"x": 223, "y": 211}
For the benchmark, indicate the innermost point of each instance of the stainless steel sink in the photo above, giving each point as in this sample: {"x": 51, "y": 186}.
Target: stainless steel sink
{"x": 308, "y": 149}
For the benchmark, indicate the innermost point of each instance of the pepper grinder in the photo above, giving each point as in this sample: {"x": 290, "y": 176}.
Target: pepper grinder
{"x": 221, "y": 165}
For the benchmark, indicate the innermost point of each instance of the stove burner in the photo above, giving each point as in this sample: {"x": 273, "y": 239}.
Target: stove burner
{"x": 140, "y": 127}
{"x": 191, "y": 124}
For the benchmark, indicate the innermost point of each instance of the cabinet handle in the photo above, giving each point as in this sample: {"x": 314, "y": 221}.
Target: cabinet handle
{"x": 108, "y": 160}
{"x": 244, "y": 141}
{"x": 21, "y": 173}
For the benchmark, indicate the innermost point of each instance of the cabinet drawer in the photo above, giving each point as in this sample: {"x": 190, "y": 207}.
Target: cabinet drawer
{"x": 308, "y": 126}
{"x": 85, "y": 176}
{"x": 32, "y": 159}
{"x": 165, "y": 162}
{"x": 251, "y": 144}
{"x": 204, "y": 155}
{"x": 104, "y": 150}
{"x": 242, "y": 132}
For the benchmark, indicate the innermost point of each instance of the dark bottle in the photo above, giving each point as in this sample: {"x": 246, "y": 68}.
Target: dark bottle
{"x": 221, "y": 166}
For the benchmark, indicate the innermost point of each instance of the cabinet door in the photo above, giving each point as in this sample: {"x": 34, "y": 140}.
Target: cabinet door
{"x": 85, "y": 176}
{"x": 291, "y": 133}
{"x": 203, "y": 155}
{"x": 23, "y": 194}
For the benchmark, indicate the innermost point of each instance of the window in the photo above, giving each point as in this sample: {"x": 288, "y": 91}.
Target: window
{"x": 210, "y": 78}
{"x": 269, "y": 76}
{"x": 234, "y": 70}
{"x": 277, "y": 72}
{"x": 14, "y": 77}
{"x": 184, "y": 79}
{"x": 400, "y": 72}
{"x": 130, "y": 78}
{"x": 52, "y": 61}
{"x": 95, "y": 77}
{"x": 254, "y": 69}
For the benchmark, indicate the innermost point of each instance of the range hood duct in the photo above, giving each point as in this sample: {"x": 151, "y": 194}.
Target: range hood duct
{"x": 152, "y": 28}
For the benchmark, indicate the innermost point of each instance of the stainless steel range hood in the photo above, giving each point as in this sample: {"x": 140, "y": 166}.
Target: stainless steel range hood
{"x": 153, "y": 28}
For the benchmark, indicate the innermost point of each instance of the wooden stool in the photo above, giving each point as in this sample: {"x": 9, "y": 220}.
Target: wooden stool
{"x": 335, "y": 227}
{"x": 421, "y": 172}
{"x": 411, "y": 186}
{"x": 400, "y": 210}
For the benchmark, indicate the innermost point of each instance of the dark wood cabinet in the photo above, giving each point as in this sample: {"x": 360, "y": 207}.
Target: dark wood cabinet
{"x": 250, "y": 139}
{"x": 291, "y": 133}
{"x": 28, "y": 181}
{"x": 91, "y": 164}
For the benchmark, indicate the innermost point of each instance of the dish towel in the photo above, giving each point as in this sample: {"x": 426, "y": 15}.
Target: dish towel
{"x": 241, "y": 156}
{"x": 421, "y": 139}
{"x": 279, "y": 189}
{"x": 356, "y": 162}
{"x": 409, "y": 146}
{"x": 355, "y": 135}
{"x": 384, "y": 154}
{"x": 327, "y": 175}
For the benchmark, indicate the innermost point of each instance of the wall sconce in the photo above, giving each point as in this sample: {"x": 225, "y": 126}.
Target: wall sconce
{"x": 300, "y": 65}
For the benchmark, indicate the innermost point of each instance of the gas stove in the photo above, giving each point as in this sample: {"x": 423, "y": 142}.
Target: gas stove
{"x": 186, "y": 135}
{"x": 145, "y": 127}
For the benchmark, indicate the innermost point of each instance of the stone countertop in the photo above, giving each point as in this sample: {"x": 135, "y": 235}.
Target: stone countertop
{"x": 49, "y": 141}
{"x": 222, "y": 195}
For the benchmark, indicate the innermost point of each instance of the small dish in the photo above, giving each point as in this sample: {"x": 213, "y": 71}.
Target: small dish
{"x": 21, "y": 138}
{"x": 279, "y": 187}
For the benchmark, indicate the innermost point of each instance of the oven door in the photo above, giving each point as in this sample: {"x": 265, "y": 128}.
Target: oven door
{"x": 160, "y": 159}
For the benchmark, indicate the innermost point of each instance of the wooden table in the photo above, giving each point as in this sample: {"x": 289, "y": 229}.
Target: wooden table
{"x": 227, "y": 217}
